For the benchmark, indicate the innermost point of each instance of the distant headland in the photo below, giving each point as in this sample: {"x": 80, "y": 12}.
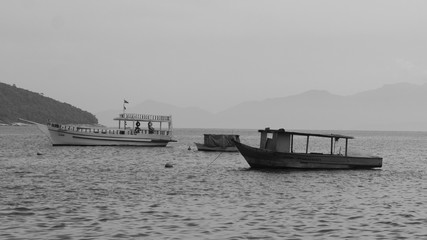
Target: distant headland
{"x": 20, "y": 103}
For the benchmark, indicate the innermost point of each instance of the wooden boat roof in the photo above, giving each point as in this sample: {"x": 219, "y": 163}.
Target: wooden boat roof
{"x": 281, "y": 130}
{"x": 143, "y": 117}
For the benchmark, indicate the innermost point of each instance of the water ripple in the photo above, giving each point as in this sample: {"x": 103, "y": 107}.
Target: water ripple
{"x": 114, "y": 192}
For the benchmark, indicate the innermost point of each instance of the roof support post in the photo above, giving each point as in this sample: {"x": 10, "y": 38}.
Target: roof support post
{"x": 292, "y": 143}
{"x": 306, "y": 147}
{"x": 332, "y": 145}
{"x": 346, "y": 146}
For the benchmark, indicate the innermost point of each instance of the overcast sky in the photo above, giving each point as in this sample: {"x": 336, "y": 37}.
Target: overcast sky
{"x": 209, "y": 54}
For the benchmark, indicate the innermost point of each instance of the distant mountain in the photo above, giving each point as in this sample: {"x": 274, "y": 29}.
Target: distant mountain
{"x": 393, "y": 107}
{"x": 308, "y": 110}
{"x": 18, "y": 103}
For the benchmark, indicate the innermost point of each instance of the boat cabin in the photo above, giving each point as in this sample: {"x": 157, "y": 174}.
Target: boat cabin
{"x": 283, "y": 141}
{"x": 220, "y": 140}
{"x": 154, "y": 123}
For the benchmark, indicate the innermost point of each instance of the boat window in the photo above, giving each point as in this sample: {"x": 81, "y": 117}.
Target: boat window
{"x": 318, "y": 145}
{"x": 339, "y": 146}
{"x": 300, "y": 143}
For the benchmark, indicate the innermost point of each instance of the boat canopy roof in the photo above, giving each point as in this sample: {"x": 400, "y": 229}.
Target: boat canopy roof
{"x": 281, "y": 130}
{"x": 143, "y": 117}
{"x": 227, "y": 135}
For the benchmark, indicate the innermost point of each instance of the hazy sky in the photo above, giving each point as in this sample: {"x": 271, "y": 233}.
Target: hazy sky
{"x": 210, "y": 54}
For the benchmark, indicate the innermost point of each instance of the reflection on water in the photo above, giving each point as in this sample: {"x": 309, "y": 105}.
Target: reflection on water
{"x": 126, "y": 192}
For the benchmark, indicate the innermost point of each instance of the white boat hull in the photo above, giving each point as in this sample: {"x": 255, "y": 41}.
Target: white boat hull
{"x": 61, "y": 137}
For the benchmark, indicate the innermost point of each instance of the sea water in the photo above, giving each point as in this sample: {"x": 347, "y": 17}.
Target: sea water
{"x": 127, "y": 193}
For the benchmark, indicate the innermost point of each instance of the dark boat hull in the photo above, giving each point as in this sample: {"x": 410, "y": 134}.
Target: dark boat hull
{"x": 261, "y": 158}
{"x": 202, "y": 147}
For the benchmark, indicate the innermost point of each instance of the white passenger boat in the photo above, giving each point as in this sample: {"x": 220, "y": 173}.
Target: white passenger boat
{"x": 130, "y": 132}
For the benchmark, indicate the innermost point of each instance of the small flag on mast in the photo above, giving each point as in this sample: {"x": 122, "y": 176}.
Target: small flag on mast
{"x": 124, "y": 107}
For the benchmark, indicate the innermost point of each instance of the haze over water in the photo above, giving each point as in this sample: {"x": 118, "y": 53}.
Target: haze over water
{"x": 126, "y": 192}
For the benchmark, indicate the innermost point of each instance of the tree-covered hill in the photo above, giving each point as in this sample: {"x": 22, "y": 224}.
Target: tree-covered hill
{"x": 18, "y": 103}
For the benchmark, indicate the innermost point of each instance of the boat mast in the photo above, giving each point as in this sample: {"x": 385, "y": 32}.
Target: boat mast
{"x": 124, "y": 111}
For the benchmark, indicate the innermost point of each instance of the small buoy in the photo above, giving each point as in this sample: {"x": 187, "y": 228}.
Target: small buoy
{"x": 39, "y": 153}
{"x": 168, "y": 165}
{"x": 189, "y": 148}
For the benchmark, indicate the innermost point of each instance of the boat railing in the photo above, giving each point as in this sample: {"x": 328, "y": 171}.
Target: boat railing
{"x": 156, "y": 132}
{"x": 145, "y": 117}
{"x": 111, "y": 131}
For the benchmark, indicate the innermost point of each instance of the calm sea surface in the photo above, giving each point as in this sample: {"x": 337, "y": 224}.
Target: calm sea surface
{"x": 127, "y": 193}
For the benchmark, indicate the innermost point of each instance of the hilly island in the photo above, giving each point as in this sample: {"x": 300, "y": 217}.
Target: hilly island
{"x": 18, "y": 103}
{"x": 392, "y": 107}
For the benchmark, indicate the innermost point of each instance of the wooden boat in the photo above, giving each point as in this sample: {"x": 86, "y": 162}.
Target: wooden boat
{"x": 218, "y": 142}
{"x": 276, "y": 151}
{"x": 129, "y": 132}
